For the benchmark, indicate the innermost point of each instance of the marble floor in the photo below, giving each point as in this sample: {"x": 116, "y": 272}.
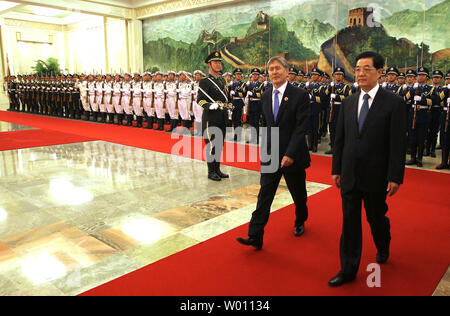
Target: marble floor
{"x": 10, "y": 127}
{"x": 75, "y": 216}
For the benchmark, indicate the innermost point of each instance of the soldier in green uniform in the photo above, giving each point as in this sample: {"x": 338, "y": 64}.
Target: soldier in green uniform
{"x": 213, "y": 97}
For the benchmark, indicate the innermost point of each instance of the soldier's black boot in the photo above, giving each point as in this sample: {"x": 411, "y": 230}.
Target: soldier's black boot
{"x": 87, "y": 115}
{"x": 420, "y": 155}
{"x": 129, "y": 120}
{"x": 212, "y": 175}
{"x": 103, "y": 118}
{"x": 220, "y": 173}
{"x": 445, "y": 152}
{"x": 427, "y": 147}
{"x": 139, "y": 121}
{"x": 413, "y": 159}
{"x": 95, "y": 117}
{"x": 433, "y": 147}
{"x": 149, "y": 122}
{"x": 119, "y": 119}
{"x": 173, "y": 126}
{"x": 315, "y": 142}
{"x": 160, "y": 125}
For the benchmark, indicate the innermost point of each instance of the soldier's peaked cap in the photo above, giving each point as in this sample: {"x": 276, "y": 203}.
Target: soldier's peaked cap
{"x": 214, "y": 56}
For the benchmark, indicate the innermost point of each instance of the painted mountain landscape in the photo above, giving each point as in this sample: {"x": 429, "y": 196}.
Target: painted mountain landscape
{"x": 323, "y": 33}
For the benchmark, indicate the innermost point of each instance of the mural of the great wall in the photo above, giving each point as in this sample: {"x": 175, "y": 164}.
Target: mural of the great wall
{"x": 321, "y": 33}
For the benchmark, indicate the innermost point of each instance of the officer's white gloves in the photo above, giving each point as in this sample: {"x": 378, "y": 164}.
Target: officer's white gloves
{"x": 213, "y": 106}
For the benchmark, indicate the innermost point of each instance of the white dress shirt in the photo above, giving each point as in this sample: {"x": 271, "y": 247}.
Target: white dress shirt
{"x": 280, "y": 94}
{"x": 372, "y": 94}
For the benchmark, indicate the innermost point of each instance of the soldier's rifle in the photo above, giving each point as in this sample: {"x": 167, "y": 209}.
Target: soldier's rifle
{"x": 447, "y": 116}
{"x": 332, "y": 103}
{"x": 416, "y": 105}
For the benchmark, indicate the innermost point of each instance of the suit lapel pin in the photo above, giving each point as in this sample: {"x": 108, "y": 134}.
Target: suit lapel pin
{"x": 286, "y": 99}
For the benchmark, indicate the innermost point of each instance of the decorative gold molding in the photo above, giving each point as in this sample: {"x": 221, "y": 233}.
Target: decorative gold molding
{"x": 177, "y": 6}
{"x": 33, "y": 25}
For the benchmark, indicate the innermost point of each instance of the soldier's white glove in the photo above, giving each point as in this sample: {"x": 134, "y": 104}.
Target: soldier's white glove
{"x": 248, "y": 83}
{"x": 213, "y": 106}
{"x": 310, "y": 97}
{"x": 250, "y": 94}
{"x": 384, "y": 85}
{"x": 416, "y": 85}
{"x": 448, "y": 86}
{"x": 448, "y": 101}
{"x": 417, "y": 98}
{"x": 332, "y": 84}
{"x": 405, "y": 86}
{"x": 356, "y": 85}
{"x": 333, "y": 96}
{"x": 307, "y": 84}
{"x": 232, "y": 93}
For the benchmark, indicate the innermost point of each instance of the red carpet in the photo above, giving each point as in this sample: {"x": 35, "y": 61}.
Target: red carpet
{"x": 37, "y": 138}
{"x": 419, "y": 213}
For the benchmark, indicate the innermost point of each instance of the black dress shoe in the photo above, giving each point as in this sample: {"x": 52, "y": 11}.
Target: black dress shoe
{"x": 213, "y": 176}
{"x": 382, "y": 257}
{"x": 340, "y": 279}
{"x": 254, "y": 242}
{"x": 220, "y": 173}
{"x": 299, "y": 230}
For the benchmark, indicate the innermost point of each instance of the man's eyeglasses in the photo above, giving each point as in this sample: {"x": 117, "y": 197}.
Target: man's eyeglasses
{"x": 364, "y": 69}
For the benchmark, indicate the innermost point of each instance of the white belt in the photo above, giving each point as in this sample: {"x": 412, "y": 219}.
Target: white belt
{"x": 237, "y": 98}
{"x": 252, "y": 99}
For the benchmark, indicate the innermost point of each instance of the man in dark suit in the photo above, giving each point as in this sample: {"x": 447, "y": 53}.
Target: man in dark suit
{"x": 285, "y": 111}
{"x": 368, "y": 162}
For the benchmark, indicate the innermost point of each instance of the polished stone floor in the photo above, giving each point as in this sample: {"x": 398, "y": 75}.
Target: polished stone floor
{"x": 10, "y": 127}
{"x": 75, "y": 216}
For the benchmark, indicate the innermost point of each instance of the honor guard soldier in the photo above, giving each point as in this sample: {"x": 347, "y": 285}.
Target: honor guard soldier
{"x": 126, "y": 101}
{"x": 213, "y": 97}
{"x": 184, "y": 91}
{"x": 338, "y": 91}
{"x": 12, "y": 93}
{"x": 445, "y": 125}
{"x": 301, "y": 79}
{"x": 411, "y": 79}
{"x": 159, "y": 99}
{"x": 255, "y": 90}
{"x": 292, "y": 76}
{"x": 391, "y": 83}
{"x": 84, "y": 95}
{"x": 436, "y": 109}
{"x": 76, "y": 97}
{"x": 108, "y": 106}
{"x": 325, "y": 101}
{"x": 149, "y": 108}
{"x": 172, "y": 100}
{"x": 138, "y": 99}
{"x": 238, "y": 92}
{"x": 196, "y": 108}
{"x": 423, "y": 97}
{"x": 316, "y": 96}
{"x": 116, "y": 98}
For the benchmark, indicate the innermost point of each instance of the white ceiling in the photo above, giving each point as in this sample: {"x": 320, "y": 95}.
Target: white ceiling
{"x": 43, "y": 14}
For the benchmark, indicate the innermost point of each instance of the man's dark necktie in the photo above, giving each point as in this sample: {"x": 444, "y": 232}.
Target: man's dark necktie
{"x": 364, "y": 111}
{"x": 276, "y": 105}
